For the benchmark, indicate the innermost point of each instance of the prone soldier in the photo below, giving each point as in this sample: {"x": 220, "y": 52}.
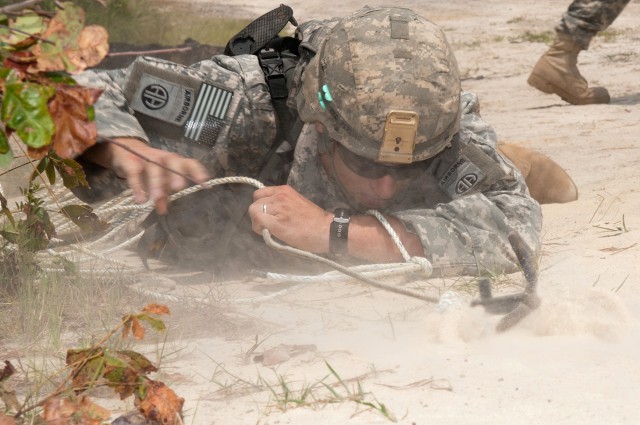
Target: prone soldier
{"x": 360, "y": 113}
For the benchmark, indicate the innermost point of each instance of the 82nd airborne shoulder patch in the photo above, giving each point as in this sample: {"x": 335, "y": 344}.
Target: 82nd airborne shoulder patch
{"x": 201, "y": 111}
{"x": 461, "y": 178}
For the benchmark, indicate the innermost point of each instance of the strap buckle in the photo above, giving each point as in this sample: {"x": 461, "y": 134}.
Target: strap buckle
{"x": 273, "y": 69}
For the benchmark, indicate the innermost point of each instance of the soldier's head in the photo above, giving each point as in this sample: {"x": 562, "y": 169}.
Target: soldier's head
{"x": 385, "y": 85}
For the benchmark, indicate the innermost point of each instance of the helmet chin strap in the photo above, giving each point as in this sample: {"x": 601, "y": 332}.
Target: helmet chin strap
{"x": 329, "y": 149}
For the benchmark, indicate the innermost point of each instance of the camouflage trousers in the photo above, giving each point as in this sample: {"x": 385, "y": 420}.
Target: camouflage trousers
{"x": 585, "y": 18}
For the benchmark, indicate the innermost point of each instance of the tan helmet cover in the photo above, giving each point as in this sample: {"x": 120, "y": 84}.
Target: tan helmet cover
{"x": 384, "y": 67}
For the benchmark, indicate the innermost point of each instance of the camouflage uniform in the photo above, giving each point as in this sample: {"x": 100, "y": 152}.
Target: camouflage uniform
{"x": 236, "y": 130}
{"x": 462, "y": 207}
{"x": 585, "y": 18}
{"x": 461, "y": 234}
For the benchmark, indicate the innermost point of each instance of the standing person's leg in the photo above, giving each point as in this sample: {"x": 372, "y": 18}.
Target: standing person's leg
{"x": 585, "y": 18}
{"x": 556, "y": 71}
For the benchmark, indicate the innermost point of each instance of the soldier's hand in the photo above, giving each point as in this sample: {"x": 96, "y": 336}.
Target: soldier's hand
{"x": 151, "y": 173}
{"x": 291, "y": 217}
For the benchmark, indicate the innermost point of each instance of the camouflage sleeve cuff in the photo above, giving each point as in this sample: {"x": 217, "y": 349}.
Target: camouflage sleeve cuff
{"x": 112, "y": 124}
{"x": 458, "y": 243}
{"x": 114, "y": 116}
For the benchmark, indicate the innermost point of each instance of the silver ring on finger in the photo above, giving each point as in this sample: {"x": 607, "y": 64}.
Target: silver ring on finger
{"x": 264, "y": 208}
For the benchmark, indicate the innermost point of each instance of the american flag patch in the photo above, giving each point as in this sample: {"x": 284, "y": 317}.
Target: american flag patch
{"x": 208, "y": 114}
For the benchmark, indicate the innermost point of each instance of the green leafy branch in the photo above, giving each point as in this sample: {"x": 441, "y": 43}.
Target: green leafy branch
{"x": 125, "y": 371}
{"x": 41, "y": 103}
{"x": 45, "y": 109}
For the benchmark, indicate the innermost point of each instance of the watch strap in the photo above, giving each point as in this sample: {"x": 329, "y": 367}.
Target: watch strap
{"x": 339, "y": 232}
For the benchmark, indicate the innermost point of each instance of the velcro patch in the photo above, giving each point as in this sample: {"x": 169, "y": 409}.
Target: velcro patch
{"x": 163, "y": 100}
{"x": 461, "y": 177}
{"x": 399, "y": 27}
{"x": 209, "y": 112}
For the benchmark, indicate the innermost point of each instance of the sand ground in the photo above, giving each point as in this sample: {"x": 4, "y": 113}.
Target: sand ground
{"x": 573, "y": 361}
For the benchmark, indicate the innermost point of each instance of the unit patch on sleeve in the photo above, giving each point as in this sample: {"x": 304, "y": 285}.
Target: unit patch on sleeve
{"x": 461, "y": 177}
{"x": 163, "y": 100}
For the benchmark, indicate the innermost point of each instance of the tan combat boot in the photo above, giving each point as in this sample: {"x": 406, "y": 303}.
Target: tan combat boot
{"x": 548, "y": 182}
{"x": 557, "y": 72}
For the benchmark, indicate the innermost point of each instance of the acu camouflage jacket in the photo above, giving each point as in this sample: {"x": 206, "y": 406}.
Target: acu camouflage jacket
{"x": 220, "y": 111}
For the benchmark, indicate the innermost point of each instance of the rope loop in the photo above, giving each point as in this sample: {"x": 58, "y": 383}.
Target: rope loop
{"x": 123, "y": 210}
{"x": 427, "y": 268}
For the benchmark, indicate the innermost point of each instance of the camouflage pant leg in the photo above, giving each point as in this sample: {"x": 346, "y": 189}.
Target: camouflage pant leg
{"x": 585, "y": 18}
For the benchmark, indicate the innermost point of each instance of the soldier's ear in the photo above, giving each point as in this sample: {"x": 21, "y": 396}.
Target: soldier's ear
{"x": 325, "y": 143}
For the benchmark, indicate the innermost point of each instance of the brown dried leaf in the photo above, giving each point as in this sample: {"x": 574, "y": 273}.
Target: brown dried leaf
{"x": 79, "y": 412}
{"x": 154, "y": 308}
{"x": 8, "y": 370}
{"x": 93, "y": 46}
{"x": 38, "y": 153}
{"x": 137, "y": 330}
{"x": 126, "y": 327}
{"x": 123, "y": 380}
{"x": 70, "y": 46}
{"x": 8, "y": 396}
{"x": 84, "y": 217}
{"x": 20, "y": 61}
{"x": 72, "y": 173}
{"x": 161, "y": 404}
{"x": 87, "y": 365}
{"x": 61, "y": 35}
{"x": 7, "y": 420}
{"x": 74, "y": 132}
{"x": 75, "y": 357}
{"x": 89, "y": 375}
{"x": 137, "y": 362}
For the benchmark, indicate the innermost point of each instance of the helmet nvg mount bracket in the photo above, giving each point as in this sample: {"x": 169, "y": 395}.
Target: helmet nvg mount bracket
{"x": 399, "y": 140}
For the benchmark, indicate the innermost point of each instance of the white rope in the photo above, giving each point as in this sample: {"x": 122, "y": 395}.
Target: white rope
{"x": 368, "y": 270}
{"x": 425, "y": 264}
{"x": 124, "y": 244}
{"x": 92, "y": 254}
{"x": 300, "y": 253}
{"x": 123, "y": 206}
{"x": 392, "y": 233}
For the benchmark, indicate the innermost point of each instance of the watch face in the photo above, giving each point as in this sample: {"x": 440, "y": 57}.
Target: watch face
{"x": 341, "y": 214}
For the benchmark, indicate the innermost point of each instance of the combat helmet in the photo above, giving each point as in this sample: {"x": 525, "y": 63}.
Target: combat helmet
{"x": 385, "y": 84}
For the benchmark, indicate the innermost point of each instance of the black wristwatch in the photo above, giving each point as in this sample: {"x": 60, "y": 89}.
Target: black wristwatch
{"x": 339, "y": 232}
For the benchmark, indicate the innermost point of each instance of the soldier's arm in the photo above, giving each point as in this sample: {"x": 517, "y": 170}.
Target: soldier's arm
{"x": 465, "y": 236}
{"x": 124, "y": 151}
{"x": 150, "y": 173}
{"x": 470, "y": 234}
{"x": 294, "y": 219}
{"x": 114, "y": 118}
